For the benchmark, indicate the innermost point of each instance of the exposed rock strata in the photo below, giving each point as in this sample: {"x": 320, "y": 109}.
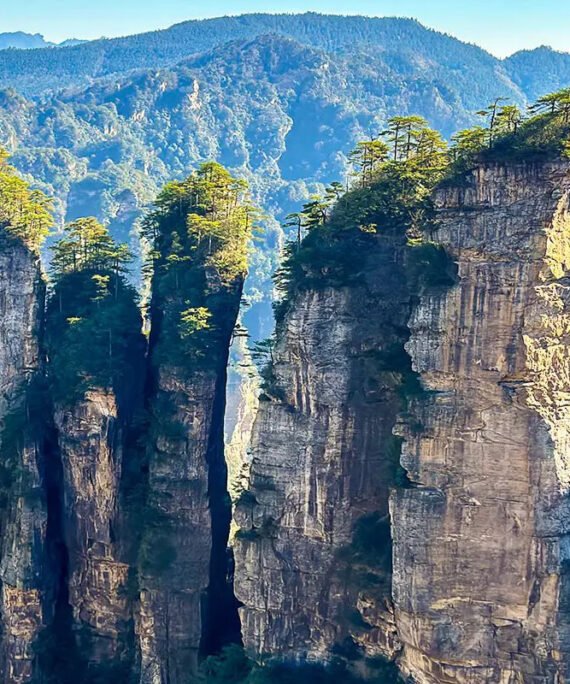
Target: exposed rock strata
{"x": 91, "y": 447}
{"x": 481, "y": 546}
{"x": 188, "y": 501}
{"x": 25, "y": 603}
{"x": 321, "y": 463}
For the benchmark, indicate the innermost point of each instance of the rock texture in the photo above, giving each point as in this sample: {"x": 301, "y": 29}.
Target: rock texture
{"x": 91, "y": 447}
{"x": 183, "y": 567}
{"x": 481, "y": 546}
{"x": 24, "y": 572}
{"x": 322, "y": 460}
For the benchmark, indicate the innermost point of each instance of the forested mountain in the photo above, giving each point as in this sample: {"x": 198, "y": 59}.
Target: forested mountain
{"x": 400, "y": 42}
{"x": 29, "y": 41}
{"x": 279, "y": 99}
{"x": 21, "y": 40}
{"x": 539, "y": 71}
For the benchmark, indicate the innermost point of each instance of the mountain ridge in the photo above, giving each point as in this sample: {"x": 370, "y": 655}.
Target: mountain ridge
{"x": 21, "y": 40}
{"x": 45, "y": 70}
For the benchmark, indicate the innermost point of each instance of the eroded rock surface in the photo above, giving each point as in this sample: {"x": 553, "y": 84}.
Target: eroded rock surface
{"x": 322, "y": 460}
{"x": 25, "y": 602}
{"x": 91, "y": 448}
{"x": 481, "y": 542}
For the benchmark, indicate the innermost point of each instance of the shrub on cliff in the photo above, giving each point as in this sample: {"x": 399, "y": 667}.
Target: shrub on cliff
{"x": 93, "y": 323}
{"x": 198, "y": 237}
{"x": 232, "y": 666}
{"x": 510, "y": 135}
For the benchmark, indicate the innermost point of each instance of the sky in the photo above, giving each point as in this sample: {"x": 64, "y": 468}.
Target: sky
{"x": 500, "y": 26}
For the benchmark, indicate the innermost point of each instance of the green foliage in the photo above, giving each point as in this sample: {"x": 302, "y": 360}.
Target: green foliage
{"x": 24, "y": 213}
{"x": 392, "y": 196}
{"x": 371, "y": 542}
{"x": 93, "y": 323}
{"x": 199, "y": 232}
{"x": 156, "y": 553}
{"x": 88, "y": 246}
{"x": 232, "y": 666}
{"x": 428, "y": 266}
{"x": 511, "y": 136}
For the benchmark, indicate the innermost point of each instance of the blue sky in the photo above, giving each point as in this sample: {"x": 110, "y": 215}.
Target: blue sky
{"x": 500, "y": 26}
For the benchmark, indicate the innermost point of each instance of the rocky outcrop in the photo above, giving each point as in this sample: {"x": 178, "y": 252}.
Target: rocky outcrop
{"x": 25, "y": 575}
{"x": 481, "y": 546}
{"x": 323, "y": 460}
{"x": 183, "y": 551}
{"x": 91, "y": 446}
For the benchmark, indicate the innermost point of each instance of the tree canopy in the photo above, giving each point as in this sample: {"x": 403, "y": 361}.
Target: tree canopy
{"x": 93, "y": 321}
{"x": 198, "y": 237}
{"x": 24, "y": 213}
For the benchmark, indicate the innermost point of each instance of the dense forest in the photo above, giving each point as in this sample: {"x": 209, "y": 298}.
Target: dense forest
{"x": 280, "y": 100}
{"x": 394, "y": 38}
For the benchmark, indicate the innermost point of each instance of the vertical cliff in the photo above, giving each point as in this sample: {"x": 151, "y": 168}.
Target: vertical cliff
{"x": 323, "y": 461}
{"x": 481, "y": 541}
{"x": 96, "y": 363}
{"x": 200, "y": 231}
{"x": 25, "y": 574}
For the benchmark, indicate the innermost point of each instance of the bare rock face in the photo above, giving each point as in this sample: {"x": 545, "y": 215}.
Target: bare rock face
{"x": 182, "y": 565}
{"x": 481, "y": 546}
{"x": 322, "y": 465}
{"x": 25, "y": 603}
{"x": 90, "y": 444}
{"x": 175, "y": 577}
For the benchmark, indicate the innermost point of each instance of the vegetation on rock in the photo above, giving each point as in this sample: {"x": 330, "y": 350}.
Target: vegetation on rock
{"x": 198, "y": 236}
{"x": 232, "y": 666}
{"x": 93, "y": 322}
{"x": 24, "y": 213}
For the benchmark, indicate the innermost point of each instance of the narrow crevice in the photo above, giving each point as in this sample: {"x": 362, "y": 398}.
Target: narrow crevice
{"x": 57, "y": 653}
{"x": 221, "y": 623}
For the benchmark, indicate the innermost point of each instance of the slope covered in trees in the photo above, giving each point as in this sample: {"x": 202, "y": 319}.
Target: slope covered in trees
{"x": 284, "y": 112}
{"x": 397, "y": 39}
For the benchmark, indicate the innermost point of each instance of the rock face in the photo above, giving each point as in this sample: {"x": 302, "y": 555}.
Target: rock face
{"x": 480, "y": 540}
{"x": 182, "y": 571}
{"x": 322, "y": 464}
{"x": 25, "y": 603}
{"x": 481, "y": 546}
{"x": 91, "y": 446}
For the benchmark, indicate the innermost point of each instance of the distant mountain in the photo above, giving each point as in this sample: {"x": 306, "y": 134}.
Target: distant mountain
{"x": 539, "y": 71}
{"x": 393, "y": 39}
{"x": 22, "y": 41}
{"x": 282, "y": 109}
{"x": 29, "y": 41}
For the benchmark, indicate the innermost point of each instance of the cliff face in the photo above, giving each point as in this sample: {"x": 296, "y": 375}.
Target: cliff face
{"x": 91, "y": 447}
{"x": 25, "y": 603}
{"x": 322, "y": 464}
{"x": 183, "y": 560}
{"x": 481, "y": 542}
{"x": 480, "y": 534}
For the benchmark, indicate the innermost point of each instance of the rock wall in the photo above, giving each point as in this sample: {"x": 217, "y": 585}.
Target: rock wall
{"x": 481, "y": 546}
{"x": 91, "y": 441}
{"x": 183, "y": 570}
{"x": 25, "y": 575}
{"x": 323, "y": 460}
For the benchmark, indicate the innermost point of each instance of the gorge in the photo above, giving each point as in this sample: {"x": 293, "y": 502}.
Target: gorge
{"x": 405, "y": 511}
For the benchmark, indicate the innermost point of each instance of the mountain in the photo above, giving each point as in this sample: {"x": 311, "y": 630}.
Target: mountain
{"x": 395, "y": 38}
{"x": 279, "y": 99}
{"x": 22, "y": 41}
{"x": 28, "y": 41}
{"x": 539, "y": 71}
